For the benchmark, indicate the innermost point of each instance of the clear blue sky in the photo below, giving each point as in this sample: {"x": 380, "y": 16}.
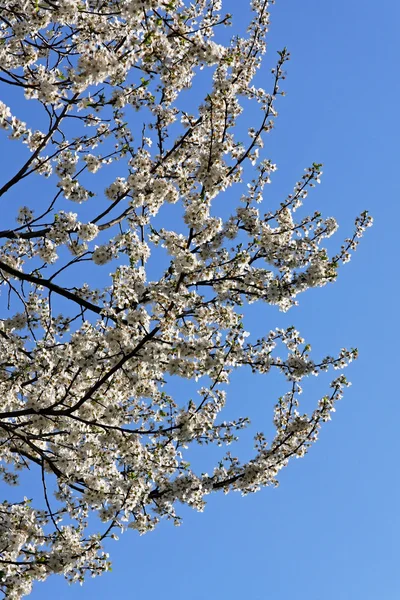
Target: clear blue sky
{"x": 331, "y": 530}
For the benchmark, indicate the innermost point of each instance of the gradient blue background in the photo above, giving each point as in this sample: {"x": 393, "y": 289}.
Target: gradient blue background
{"x": 331, "y": 530}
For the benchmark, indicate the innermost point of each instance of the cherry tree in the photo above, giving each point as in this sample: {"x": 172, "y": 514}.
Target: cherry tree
{"x": 95, "y": 93}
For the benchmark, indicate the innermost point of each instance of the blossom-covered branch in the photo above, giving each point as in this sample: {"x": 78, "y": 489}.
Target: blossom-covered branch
{"x": 132, "y": 172}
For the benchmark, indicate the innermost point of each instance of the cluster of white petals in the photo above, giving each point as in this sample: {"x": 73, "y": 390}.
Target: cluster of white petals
{"x": 89, "y": 401}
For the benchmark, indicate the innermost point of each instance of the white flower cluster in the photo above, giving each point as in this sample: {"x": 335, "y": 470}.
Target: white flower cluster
{"x": 93, "y": 163}
{"x": 102, "y": 254}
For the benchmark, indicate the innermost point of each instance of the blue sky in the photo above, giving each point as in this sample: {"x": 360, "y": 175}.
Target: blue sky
{"x": 331, "y": 530}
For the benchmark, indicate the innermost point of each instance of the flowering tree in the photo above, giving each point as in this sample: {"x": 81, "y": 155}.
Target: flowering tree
{"x": 87, "y": 401}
